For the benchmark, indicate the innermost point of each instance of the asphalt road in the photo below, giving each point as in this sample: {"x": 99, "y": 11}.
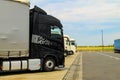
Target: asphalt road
{"x": 101, "y": 66}
{"x": 75, "y": 70}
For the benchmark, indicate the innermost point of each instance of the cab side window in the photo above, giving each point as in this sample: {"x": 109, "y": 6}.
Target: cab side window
{"x": 55, "y": 32}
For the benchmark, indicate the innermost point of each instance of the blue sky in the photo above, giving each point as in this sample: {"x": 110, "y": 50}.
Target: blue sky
{"x": 83, "y": 20}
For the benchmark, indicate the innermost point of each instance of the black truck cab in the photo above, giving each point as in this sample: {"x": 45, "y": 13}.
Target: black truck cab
{"x": 46, "y": 35}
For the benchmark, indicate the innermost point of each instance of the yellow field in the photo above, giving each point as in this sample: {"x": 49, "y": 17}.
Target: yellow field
{"x": 95, "y": 48}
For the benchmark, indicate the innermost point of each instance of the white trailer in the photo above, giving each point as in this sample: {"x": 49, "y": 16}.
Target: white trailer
{"x": 14, "y": 20}
{"x": 14, "y": 35}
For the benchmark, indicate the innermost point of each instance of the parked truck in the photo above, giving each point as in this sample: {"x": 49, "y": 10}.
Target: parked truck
{"x": 73, "y": 45}
{"x": 117, "y": 46}
{"x": 69, "y": 45}
{"x": 29, "y": 39}
{"x": 66, "y": 45}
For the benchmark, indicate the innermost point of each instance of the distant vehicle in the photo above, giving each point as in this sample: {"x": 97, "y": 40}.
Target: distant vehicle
{"x": 29, "y": 39}
{"x": 69, "y": 45}
{"x": 66, "y": 45}
{"x": 73, "y": 45}
{"x": 117, "y": 46}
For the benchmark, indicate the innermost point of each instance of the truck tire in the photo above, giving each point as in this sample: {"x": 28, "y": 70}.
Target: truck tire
{"x": 49, "y": 64}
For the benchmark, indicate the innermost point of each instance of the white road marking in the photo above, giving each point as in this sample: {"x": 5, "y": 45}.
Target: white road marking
{"x": 109, "y": 56}
{"x": 81, "y": 69}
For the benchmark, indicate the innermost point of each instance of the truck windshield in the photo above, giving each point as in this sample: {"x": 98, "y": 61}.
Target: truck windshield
{"x": 72, "y": 43}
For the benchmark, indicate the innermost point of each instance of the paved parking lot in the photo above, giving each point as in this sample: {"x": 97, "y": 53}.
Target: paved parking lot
{"x": 101, "y": 66}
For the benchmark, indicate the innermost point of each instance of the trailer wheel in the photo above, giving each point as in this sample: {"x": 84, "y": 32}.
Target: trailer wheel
{"x": 49, "y": 64}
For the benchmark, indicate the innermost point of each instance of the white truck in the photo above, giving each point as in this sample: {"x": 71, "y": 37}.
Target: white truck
{"x": 69, "y": 45}
{"x": 73, "y": 45}
{"x": 66, "y": 45}
{"x": 27, "y": 38}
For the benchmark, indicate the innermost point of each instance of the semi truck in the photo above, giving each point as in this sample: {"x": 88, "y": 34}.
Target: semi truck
{"x": 73, "y": 45}
{"x": 117, "y": 46}
{"x": 69, "y": 45}
{"x": 66, "y": 45}
{"x": 30, "y": 39}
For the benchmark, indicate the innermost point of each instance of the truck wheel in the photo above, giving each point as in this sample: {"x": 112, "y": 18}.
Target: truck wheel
{"x": 49, "y": 64}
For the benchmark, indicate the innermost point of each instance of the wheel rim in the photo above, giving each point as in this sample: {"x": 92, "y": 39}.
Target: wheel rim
{"x": 49, "y": 64}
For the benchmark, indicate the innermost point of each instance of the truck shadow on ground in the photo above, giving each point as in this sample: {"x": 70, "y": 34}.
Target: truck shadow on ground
{"x": 28, "y": 72}
{"x": 16, "y": 73}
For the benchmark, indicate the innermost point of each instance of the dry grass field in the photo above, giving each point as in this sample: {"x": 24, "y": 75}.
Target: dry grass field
{"x": 95, "y": 48}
